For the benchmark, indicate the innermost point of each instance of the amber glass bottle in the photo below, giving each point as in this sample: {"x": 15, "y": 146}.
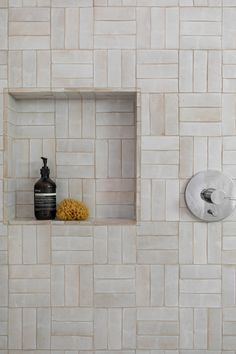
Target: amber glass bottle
{"x": 45, "y": 195}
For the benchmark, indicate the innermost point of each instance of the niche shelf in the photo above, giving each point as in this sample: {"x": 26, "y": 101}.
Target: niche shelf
{"x": 90, "y": 139}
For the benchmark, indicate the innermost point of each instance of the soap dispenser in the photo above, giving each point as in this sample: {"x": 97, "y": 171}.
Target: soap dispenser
{"x": 45, "y": 195}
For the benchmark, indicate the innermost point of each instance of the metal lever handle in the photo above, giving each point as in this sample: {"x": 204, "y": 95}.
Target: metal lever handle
{"x": 215, "y": 196}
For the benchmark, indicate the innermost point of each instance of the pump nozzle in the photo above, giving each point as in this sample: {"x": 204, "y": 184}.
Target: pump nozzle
{"x": 45, "y": 170}
{"x": 45, "y": 160}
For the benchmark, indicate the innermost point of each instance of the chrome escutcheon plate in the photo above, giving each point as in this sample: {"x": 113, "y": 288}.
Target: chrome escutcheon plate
{"x": 208, "y": 211}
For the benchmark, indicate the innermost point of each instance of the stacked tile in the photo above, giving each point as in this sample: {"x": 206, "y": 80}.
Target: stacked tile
{"x": 114, "y": 288}
{"x": 29, "y": 287}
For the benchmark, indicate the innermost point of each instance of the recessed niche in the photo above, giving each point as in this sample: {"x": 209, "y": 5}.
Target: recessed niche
{"x": 90, "y": 141}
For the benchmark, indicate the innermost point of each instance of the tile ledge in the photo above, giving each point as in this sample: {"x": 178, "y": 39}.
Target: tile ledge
{"x": 29, "y": 221}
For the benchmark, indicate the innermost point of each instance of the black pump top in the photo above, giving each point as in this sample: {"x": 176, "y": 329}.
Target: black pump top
{"x": 45, "y": 171}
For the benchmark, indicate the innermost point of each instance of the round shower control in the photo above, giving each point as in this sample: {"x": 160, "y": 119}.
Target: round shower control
{"x": 210, "y": 195}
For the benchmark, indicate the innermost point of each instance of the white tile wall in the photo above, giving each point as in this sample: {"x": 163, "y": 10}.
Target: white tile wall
{"x": 166, "y": 285}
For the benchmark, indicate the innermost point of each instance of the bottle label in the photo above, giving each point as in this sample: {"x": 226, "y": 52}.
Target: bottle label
{"x": 45, "y": 201}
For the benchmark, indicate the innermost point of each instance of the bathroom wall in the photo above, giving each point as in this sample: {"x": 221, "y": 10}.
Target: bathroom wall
{"x": 167, "y": 284}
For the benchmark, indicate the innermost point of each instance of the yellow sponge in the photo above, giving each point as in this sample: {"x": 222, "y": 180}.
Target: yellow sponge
{"x": 71, "y": 209}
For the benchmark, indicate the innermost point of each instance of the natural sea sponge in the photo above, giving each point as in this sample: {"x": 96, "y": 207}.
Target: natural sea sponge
{"x": 71, "y": 209}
